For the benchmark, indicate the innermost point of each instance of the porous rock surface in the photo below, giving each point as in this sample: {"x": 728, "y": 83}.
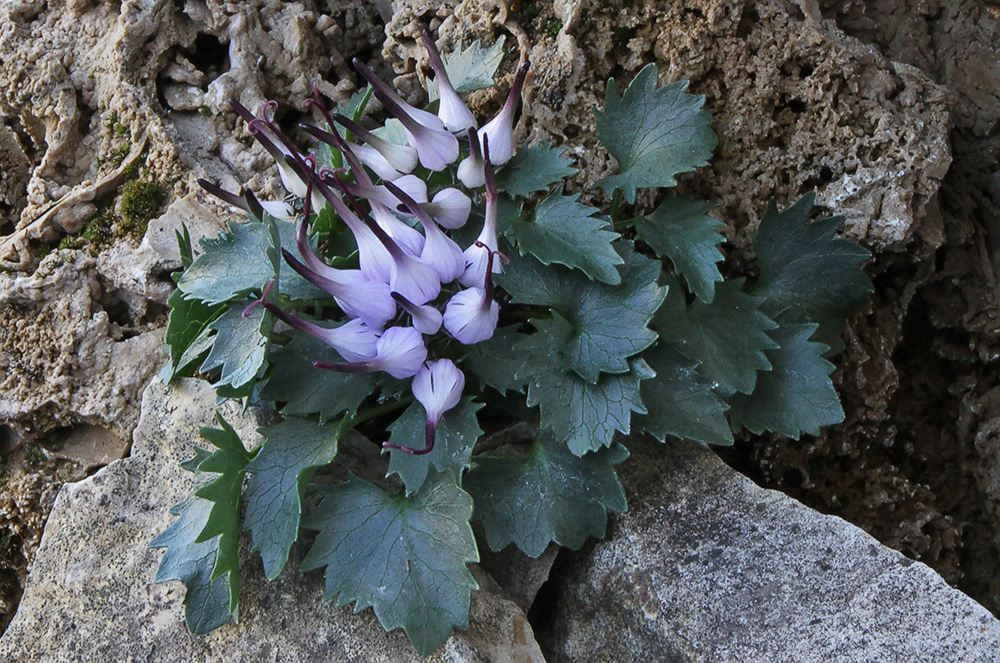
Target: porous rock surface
{"x": 707, "y": 566}
{"x": 797, "y": 103}
{"x": 91, "y": 597}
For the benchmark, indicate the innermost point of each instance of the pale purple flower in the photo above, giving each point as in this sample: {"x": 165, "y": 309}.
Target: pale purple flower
{"x": 247, "y": 202}
{"x": 400, "y": 352}
{"x": 500, "y": 129}
{"x": 470, "y": 171}
{"x": 374, "y": 256}
{"x": 409, "y": 276}
{"x": 436, "y": 147}
{"x": 440, "y": 251}
{"x": 479, "y": 255}
{"x": 290, "y": 163}
{"x": 408, "y": 237}
{"x": 354, "y": 340}
{"x": 471, "y": 316}
{"x": 449, "y": 207}
{"x": 378, "y": 163}
{"x": 411, "y": 185}
{"x": 402, "y": 158}
{"x": 426, "y": 318}
{"x": 369, "y": 301}
{"x": 438, "y": 387}
{"x": 451, "y": 110}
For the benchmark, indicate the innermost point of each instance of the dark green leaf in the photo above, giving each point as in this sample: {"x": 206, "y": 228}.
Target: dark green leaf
{"x": 189, "y": 319}
{"x": 681, "y": 402}
{"x": 279, "y": 473}
{"x": 562, "y": 230}
{"x": 548, "y": 495}
{"x": 228, "y": 462}
{"x": 681, "y": 229}
{"x": 404, "y": 556}
{"x": 806, "y": 273}
{"x": 206, "y": 602}
{"x": 240, "y": 345}
{"x": 608, "y": 323}
{"x": 653, "y": 133}
{"x": 584, "y": 416}
{"x": 495, "y": 361}
{"x": 472, "y": 68}
{"x": 796, "y": 396}
{"x": 306, "y": 389}
{"x": 457, "y": 433}
{"x": 534, "y": 169}
{"x": 233, "y": 263}
{"x": 202, "y": 543}
{"x": 728, "y": 337}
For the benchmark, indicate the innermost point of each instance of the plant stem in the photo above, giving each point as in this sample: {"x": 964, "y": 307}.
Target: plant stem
{"x": 616, "y": 203}
{"x": 378, "y": 411}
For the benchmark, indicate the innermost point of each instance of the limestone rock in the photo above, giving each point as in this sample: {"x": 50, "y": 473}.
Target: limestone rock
{"x": 72, "y": 351}
{"x": 90, "y": 594}
{"x": 797, "y": 103}
{"x": 706, "y": 566}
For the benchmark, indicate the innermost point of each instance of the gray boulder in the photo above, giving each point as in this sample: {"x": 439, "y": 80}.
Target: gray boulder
{"x": 707, "y": 566}
{"x": 91, "y": 596}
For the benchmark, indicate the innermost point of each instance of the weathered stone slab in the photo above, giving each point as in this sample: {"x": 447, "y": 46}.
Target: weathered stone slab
{"x": 707, "y": 566}
{"x": 91, "y": 597}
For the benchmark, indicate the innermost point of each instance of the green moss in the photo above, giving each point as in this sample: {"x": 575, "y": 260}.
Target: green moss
{"x": 553, "y": 26}
{"x": 116, "y": 155}
{"x": 205, "y": 110}
{"x": 34, "y": 457}
{"x": 141, "y": 200}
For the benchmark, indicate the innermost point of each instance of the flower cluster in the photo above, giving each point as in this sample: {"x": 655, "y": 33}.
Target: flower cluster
{"x": 409, "y": 268}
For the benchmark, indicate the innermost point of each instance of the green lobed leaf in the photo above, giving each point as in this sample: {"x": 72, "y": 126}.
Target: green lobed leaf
{"x": 306, "y": 389}
{"x": 403, "y": 556}
{"x": 228, "y": 462}
{"x": 654, "y": 133}
{"x": 473, "y": 67}
{"x": 681, "y": 229}
{"x": 797, "y": 395}
{"x": 608, "y": 324}
{"x": 681, "y": 403}
{"x": 233, "y": 263}
{"x": 457, "y": 433}
{"x": 728, "y": 337}
{"x": 286, "y": 461}
{"x": 206, "y": 602}
{"x": 562, "y": 230}
{"x": 189, "y": 320}
{"x": 202, "y": 543}
{"x": 534, "y": 169}
{"x": 583, "y": 415}
{"x": 495, "y": 361}
{"x": 807, "y": 273}
{"x": 548, "y": 495}
{"x": 240, "y": 345}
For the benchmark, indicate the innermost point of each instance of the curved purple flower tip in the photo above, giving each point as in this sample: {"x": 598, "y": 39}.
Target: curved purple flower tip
{"x": 400, "y": 352}
{"x": 438, "y": 387}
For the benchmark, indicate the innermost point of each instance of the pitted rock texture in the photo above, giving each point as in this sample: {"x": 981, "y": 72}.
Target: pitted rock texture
{"x": 95, "y": 94}
{"x": 82, "y": 82}
{"x": 706, "y": 566}
{"x": 90, "y": 596}
{"x": 798, "y": 105}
